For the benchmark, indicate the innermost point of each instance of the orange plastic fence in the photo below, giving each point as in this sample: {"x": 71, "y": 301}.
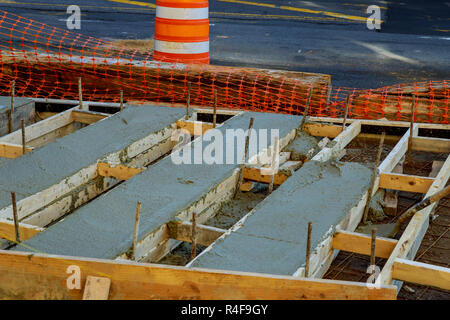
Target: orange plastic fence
{"x": 46, "y": 62}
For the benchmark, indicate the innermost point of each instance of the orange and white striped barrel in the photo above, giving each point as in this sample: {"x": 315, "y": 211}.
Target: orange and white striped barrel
{"x": 182, "y": 31}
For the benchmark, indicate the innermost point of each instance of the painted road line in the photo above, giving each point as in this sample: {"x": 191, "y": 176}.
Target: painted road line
{"x": 135, "y": 3}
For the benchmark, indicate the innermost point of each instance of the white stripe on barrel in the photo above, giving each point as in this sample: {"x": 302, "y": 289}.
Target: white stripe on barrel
{"x": 182, "y": 47}
{"x": 182, "y": 13}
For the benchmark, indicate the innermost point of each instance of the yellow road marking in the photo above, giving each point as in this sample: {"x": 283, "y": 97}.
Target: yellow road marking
{"x": 136, "y": 3}
{"x": 81, "y": 6}
{"x": 259, "y": 4}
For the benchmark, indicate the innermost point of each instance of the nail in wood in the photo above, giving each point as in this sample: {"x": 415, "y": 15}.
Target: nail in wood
{"x": 11, "y": 113}
{"x": 136, "y": 229}
{"x": 22, "y": 123}
{"x": 194, "y": 236}
{"x": 80, "y": 93}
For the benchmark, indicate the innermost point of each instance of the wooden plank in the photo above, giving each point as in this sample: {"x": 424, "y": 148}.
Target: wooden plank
{"x": 397, "y": 152}
{"x": 435, "y": 168}
{"x": 382, "y": 123}
{"x": 360, "y": 243}
{"x": 427, "y": 144}
{"x": 340, "y": 142}
{"x": 88, "y": 117}
{"x": 35, "y": 276}
{"x": 411, "y": 238}
{"x": 255, "y": 174}
{"x": 7, "y": 230}
{"x": 40, "y": 128}
{"x": 194, "y": 127}
{"x": 323, "y": 130}
{"x": 117, "y": 171}
{"x": 144, "y": 147}
{"x": 421, "y": 273}
{"x": 96, "y": 288}
{"x": 182, "y": 230}
{"x": 12, "y": 151}
{"x": 247, "y": 186}
{"x": 405, "y": 182}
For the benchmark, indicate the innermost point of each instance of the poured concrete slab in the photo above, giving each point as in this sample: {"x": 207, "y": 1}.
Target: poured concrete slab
{"x": 23, "y": 109}
{"x": 303, "y": 147}
{"x": 104, "y": 227}
{"x": 273, "y": 238}
{"x": 46, "y": 166}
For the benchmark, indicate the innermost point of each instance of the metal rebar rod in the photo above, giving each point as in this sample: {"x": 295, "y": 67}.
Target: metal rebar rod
{"x": 372, "y": 249}
{"x": 121, "y": 100}
{"x": 275, "y": 151}
{"x": 241, "y": 171}
{"x": 11, "y": 113}
{"x": 80, "y": 94}
{"x": 136, "y": 229}
{"x": 24, "y": 148}
{"x": 188, "y": 100}
{"x": 347, "y": 105}
{"x": 194, "y": 236}
{"x": 413, "y": 110}
{"x": 215, "y": 109}
{"x": 305, "y": 113}
{"x": 16, "y": 219}
{"x": 308, "y": 250}
{"x": 373, "y": 179}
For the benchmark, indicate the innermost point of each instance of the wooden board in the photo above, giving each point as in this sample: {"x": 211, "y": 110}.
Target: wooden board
{"x": 182, "y": 230}
{"x": 361, "y": 243}
{"x": 96, "y": 288}
{"x": 404, "y": 182}
{"x": 7, "y": 230}
{"x": 37, "y": 276}
{"x": 421, "y": 273}
{"x": 12, "y": 151}
{"x": 117, "y": 171}
{"x": 427, "y": 144}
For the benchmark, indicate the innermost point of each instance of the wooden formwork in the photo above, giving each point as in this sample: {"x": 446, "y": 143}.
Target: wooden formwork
{"x": 39, "y": 275}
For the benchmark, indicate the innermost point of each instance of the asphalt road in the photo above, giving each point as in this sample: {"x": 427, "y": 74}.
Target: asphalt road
{"x": 323, "y": 36}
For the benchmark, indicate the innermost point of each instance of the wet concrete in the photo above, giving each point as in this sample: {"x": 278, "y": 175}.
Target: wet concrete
{"x": 303, "y": 147}
{"x": 104, "y": 227}
{"x": 23, "y": 109}
{"x": 273, "y": 238}
{"x": 46, "y": 166}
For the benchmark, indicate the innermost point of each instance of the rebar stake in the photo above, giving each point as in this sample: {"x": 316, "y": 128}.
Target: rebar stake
{"x": 11, "y": 113}
{"x": 215, "y": 109}
{"x": 121, "y": 100}
{"x": 188, "y": 100}
{"x": 373, "y": 179}
{"x": 413, "y": 110}
{"x": 372, "y": 250}
{"x": 16, "y": 220}
{"x": 241, "y": 171}
{"x": 22, "y": 124}
{"x": 305, "y": 114}
{"x": 274, "y": 159}
{"x": 194, "y": 236}
{"x": 136, "y": 229}
{"x": 347, "y": 105}
{"x": 308, "y": 250}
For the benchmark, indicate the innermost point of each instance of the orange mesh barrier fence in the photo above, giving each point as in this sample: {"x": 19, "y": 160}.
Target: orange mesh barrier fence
{"x": 46, "y": 62}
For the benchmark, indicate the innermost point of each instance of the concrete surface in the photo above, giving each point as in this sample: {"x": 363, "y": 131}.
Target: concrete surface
{"x": 23, "y": 109}
{"x": 273, "y": 238}
{"x": 44, "y": 167}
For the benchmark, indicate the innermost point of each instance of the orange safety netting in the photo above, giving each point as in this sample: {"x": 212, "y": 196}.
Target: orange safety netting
{"x": 46, "y": 62}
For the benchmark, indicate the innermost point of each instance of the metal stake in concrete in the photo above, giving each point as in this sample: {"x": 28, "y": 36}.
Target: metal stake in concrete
{"x": 347, "y": 104}
{"x": 413, "y": 109}
{"x": 80, "y": 93}
{"x": 305, "y": 114}
{"x": 215, "y": 109}
{"x": 188, "y": 100}
{"x": 121, "y": 100}
{"x": 241, "y": 171}
{"x": 136, "y": 229}
{"x": 372, "y": 250}
{"x": 11, "y": 113}
{"x": 373, "y": 179}
{"x": 330, "y": 88}
{"x": 308, "y": 250}
{"x": 16, "y": 220}
{"x": 194, "y": 236}
{"x": 275, "y": 151}
{"x": 22, "y": 123}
